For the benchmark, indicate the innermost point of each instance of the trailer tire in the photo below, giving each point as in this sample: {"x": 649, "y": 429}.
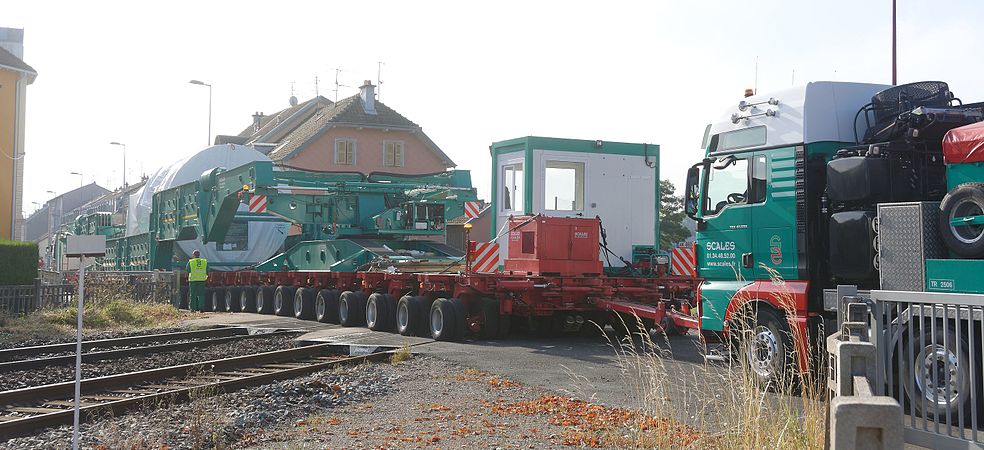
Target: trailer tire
{"x": 264, "y": 299}
{"x": 504, "y": 325}
{"x": 625, "y": 325}
{"x": 490, "y": 318}
{"x": 283, "y": 301}
{"x": 406, "y": 310}
{"x": 964, "y": 200}
{"x": 767, "y": 350}
{"x": 231, "y": 299}
{"x": 207, "y": 300}
{"x": 668, "y": 327}
{"x": 247, "y": 299}
{"x": 380, "y": 312}
{"x": 217, "y": 300}
{"x": 304, "y": 303}
{"x": 352, "y": 309}
{"x": 326, "y": 306}
{"x": 928, "y": 350}
{"x": 461, "y": 317}
{"x": 442, "y": 320}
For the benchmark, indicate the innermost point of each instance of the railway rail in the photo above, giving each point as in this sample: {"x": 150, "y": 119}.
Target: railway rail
{"x": 11, "y": 354}
{"x": 200, "y": 339}
{"x": 23, "y": 411}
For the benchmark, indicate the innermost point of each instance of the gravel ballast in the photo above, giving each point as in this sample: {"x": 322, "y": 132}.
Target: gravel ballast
{"x": 425, "y": 402}
{"x": 57, "y": 374}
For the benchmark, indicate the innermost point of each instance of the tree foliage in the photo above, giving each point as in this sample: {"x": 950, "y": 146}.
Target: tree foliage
{"x": 671, "y": 216}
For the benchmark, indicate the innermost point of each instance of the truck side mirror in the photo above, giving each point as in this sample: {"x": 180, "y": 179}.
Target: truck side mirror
{"x": 691, "y": 196}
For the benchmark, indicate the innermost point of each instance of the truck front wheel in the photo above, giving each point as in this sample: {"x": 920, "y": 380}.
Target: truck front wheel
{"x": 766, "y": 348}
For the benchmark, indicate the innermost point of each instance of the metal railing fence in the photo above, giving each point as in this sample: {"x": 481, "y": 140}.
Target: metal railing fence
{"x": 929, "y": 358}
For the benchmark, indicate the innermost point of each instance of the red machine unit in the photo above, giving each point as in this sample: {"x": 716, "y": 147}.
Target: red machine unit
{"x": 553, "y": 246}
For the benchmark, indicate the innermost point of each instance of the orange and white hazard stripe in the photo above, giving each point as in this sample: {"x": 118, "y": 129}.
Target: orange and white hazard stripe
{"x": 473, "y": 209}
{"x": 485, "y": 257}
{"x": 683, "y": 261}
{"x": 257, "y": 204}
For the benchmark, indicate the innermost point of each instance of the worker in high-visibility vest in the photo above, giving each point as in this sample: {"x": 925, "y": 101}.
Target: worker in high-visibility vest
{"x": 197, "y": 274}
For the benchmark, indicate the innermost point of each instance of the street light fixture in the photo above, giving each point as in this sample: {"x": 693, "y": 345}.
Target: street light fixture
{"x": 202, "y": 83}
{"x": 124, "y": 160}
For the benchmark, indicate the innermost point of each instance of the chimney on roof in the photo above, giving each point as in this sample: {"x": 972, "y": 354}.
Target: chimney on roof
{"x": 257, "y": 118}
{"x": 368, "y": 95}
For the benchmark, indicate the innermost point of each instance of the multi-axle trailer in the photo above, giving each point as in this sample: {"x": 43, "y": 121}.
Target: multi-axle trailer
{"x": 447, "y": 306}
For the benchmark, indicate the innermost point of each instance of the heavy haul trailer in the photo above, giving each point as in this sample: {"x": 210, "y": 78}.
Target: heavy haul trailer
{"x": 552, "y": 281}
{"x": 785, "y": 202}
{"x": 359, "y": 258}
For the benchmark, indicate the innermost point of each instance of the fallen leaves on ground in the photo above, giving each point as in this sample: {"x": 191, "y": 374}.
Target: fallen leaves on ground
{"x": 589, "y": 425}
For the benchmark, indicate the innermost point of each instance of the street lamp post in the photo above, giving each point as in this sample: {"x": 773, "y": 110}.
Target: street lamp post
{"x": 124, "y": 160}
{"x": 201, "y": 83}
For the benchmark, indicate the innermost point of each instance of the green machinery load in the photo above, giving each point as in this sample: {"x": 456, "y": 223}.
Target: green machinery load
{"x": 340, "y": 221}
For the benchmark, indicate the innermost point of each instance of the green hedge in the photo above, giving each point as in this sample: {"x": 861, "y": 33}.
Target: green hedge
{"x": 18, "y": 263}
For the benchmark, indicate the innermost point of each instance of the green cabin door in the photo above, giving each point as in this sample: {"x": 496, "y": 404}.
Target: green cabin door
{"x": 727, "y": 220}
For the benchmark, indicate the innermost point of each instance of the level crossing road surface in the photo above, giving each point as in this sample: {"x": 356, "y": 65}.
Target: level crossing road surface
{"x": 584, "y": 367}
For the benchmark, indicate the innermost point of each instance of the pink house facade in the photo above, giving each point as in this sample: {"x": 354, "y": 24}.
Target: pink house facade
{"x": 356, "y": 134}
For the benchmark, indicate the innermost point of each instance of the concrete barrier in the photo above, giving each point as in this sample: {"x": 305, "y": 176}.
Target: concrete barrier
{"x": 858, "y": 419}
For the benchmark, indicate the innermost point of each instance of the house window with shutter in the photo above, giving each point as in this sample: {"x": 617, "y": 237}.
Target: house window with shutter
{"x": 345, "y": 152}
{"x": 393, "y": 153}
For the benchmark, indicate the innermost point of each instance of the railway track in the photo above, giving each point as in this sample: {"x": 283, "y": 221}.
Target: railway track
{"x": 23, "y": 411}
{"x": 123, "y": 347}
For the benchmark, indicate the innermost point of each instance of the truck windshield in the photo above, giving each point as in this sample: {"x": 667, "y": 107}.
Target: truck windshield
{"x": 726, "y": 185}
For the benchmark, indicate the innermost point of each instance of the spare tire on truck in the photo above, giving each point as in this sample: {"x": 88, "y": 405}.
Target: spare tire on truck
{"x": 962, "y": 220}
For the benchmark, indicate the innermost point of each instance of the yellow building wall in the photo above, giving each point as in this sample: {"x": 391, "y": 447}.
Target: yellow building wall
{"x": 8, "y": 126}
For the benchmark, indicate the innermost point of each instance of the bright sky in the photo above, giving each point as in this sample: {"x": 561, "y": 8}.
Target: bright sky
{"x": 653, "y": 72}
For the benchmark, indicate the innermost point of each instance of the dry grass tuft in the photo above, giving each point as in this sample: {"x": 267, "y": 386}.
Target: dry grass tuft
{"x": 401, "y": 354}
{"x": 724, "y": 404}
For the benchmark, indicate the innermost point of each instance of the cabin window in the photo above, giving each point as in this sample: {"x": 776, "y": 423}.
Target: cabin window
{"x": 759, "y": 177}
{"x": 727, "y": 184}
{"x": 345, "y": 152}
{"x": 512, "y": 187}
{"x": 563, "y": 186}
{"x": 393, "y": 153}
{"x": 743, "y": 138}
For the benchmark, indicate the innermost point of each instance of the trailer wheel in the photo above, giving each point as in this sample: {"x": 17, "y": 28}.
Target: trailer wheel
{"x": 247, "y": 299}
{"x": 352, "y": 309}
{"x": 461, "y": 317}
{"x": 964, "y": 201}
{"x": 625, "y": 325}
{"x": 304, "y": 303}
{"x": 380, "y": 312}
{"x": 443, "y": 318}
{"x": 504, "y": 326}
{"x": 406, "y": 315}
{"x": 264, "y": 299}
{"x": 283, "y": 301}
{"x": 217, "y": 300}
{"x": 490, "y": 318}
{"x": 668, "y": 327}
{"x": 767, "y": 349}
{"x": 934, "y": 357}
{"x": 412, "y": 316}
{"x": 230, "y": 301}
{"x": 326, "y": 306}
{"x": 207, "y": 300}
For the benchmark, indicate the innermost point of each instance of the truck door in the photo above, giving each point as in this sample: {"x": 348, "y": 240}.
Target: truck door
{"x": 727, "y": 229}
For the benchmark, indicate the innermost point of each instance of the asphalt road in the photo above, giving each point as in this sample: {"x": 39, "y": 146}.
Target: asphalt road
{"x": 592, "y": 368}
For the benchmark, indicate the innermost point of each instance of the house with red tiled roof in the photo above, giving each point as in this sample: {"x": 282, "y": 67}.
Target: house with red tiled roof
{"x": 356, "y": 134}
